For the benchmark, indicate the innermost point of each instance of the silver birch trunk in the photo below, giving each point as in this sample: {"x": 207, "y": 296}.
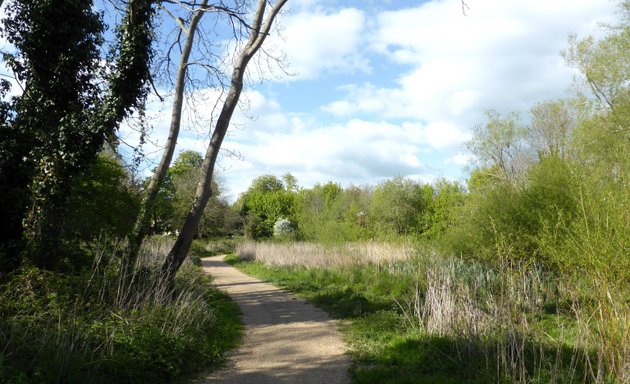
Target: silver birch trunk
{"x": 143, "y": 221}
{"x": 258, "y": 33}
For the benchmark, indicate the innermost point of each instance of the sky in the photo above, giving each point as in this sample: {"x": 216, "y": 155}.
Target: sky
{"x": 377, "y": 89}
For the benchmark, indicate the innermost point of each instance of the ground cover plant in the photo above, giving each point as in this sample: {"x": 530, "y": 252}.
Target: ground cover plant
{"x": 424, "y": 318}
{"x": 95, "y": 326}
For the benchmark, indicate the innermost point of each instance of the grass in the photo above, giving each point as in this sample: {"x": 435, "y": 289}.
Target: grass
{"x": 93, "y": 327}
{"x": 427, "y": 319}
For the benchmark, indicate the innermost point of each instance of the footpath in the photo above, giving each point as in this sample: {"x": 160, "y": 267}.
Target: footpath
{"x": 286, "y": 340}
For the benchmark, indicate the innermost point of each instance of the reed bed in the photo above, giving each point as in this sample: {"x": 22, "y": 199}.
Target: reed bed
{"x": 311, "y": 255}
{"x": 510, "y": 319}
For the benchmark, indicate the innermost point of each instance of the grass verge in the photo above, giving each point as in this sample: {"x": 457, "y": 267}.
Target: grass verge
{"x": 433, "y": 320}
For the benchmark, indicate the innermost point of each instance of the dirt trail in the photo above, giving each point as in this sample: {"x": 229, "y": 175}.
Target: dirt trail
{"x": 287, "y": 340}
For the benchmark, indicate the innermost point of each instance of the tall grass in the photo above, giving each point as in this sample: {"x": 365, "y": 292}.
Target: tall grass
{"x": 102, "y": 327}
{"x": 516, "y": 323}
{"x": 514, "y": 320}
{"x": 311, "y": 255}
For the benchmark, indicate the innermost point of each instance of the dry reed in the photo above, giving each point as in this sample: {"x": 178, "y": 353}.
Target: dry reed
{"x": 491, "y": 313}
{"x": 310, "y": 255}
{"x": 494, "y": 315}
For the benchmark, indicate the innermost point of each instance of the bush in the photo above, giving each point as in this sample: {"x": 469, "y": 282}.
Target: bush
{"x": 504, "y": 222}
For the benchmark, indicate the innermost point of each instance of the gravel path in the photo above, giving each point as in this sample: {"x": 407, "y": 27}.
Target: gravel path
{"x": 287, "y": 340}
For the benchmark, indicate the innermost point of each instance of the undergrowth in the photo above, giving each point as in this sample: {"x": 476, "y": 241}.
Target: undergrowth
{"x": 93, "y": 327}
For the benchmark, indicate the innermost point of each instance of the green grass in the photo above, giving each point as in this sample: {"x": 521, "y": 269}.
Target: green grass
{"x": 384, "y": 347}
{"x": 389, "y": 345}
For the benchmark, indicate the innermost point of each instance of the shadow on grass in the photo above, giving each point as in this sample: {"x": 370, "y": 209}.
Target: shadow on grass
{"x": 386, "y": 348}
{"x": 418, "y": 358}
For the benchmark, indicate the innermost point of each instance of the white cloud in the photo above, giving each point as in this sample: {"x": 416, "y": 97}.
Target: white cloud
{"x": 460, "y": 159}
{"x": 437, "y": 72}
{"x": 354, "y": 152}
{"x": 503, "y": 54}
{"x": 317, "y": 41}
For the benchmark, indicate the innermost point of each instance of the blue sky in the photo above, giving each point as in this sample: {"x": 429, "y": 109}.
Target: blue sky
{"x": 386, "y": 88}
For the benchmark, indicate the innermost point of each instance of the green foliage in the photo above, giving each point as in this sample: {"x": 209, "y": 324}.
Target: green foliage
{"x": 568, "y": 209}
{"x": 500, "y": 222}
{"x": 176, "y": 195}
{"x": 442, "y": 202}
{"x": 396, "y": 208}
{"x": 103, "y": 202}
{"x": 499, "y": 143}
{"x": 186, "y": 162}
{"x": 50, "y": 116}
{"x": 263, "y": 204}
{"x": 59, "y": 123}
{"x": 397, "y": 205}
{"x": 327, "y": 213}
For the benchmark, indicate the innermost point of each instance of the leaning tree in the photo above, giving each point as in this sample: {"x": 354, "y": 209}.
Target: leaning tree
{"x": 258, "y": 30}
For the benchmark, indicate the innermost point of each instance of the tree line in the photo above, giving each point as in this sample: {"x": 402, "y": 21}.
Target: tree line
{"x": 550, "y": 186}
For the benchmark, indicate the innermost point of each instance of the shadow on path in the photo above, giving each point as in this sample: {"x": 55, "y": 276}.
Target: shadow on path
{"x": 287, "y": 340}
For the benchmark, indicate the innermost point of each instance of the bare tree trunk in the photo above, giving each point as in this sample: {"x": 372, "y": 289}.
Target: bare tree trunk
{"x": 259, "y": 31}
{"x": 143, "y": 220}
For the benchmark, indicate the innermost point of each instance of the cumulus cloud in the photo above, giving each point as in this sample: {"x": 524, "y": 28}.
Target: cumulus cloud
{"x": 502, "y": 54}
{"x": 318, "y": 41}
{"x": 355, "y": 151}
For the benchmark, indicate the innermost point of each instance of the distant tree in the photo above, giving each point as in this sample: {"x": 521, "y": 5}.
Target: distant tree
{"x": 397, "y": 204}
{"x": 290, "y": 182}
{"x": 500, "y": 144}
{"x": 448, "y": 196}
{"x": 605, "y": 67}
{"x": 264, "y": 202}
{"x": 552, "y": 125}
{"x": 184, "y": 176}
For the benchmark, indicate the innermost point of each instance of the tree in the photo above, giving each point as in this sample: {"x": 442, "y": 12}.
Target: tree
{"x": 499, "y": 144}
{"x": 63, "y": 116}
{"x": 290, "y": 182}
{"x": 184, "y": 175}
{"x": 103, "y": 201}
{"x": 265, "y": 202}
{"x": 552, "y": 124}
{"x": 148, "y": 202}
{"x": 605, "y": 67}
{"x": 448, "y": 196}
{"x": 397, "y": 204}
{"x": 260, "y": 29}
